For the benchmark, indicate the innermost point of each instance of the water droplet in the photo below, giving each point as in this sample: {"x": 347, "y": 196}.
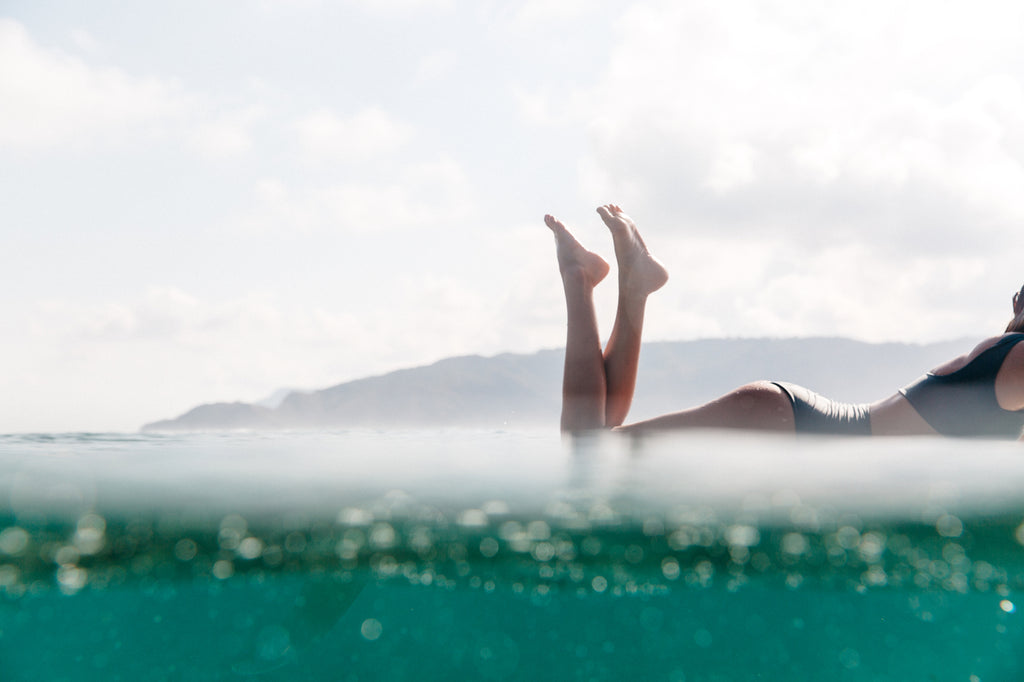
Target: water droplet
{"x": 250, "y": 548}
{"x": 371, "y": 629}
{"x": 13, "y": 540}
{"x": 949, "y": 526}
{"x": 489, "y": 547}
{"x": 472, "y": 518}
{"x": 185, "y": 549}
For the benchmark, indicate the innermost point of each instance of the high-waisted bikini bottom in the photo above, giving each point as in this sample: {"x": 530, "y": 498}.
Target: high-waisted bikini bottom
{"x": 813, "y": 413}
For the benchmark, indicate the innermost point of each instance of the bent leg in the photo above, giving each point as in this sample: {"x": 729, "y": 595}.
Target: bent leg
{"x": 640, "y": 275}
{"x": 761, "y": 406}
{"x": 584, "y": 385}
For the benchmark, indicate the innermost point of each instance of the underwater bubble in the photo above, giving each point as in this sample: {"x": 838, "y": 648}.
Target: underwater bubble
{"x": 509, "y": 530}
{"x": 543, "y": 551}
{"x": 90, "y": 535}
{"x": 984, "y": 570}
{"x": 250, "y": 548}
{"x": 273, "y": 555}
{"x": 66, "y": 555}
{"x": 71, "y": 578}
{"x": 670, "y": 568}
{"x": 13, "y": 540}
{"x": 871, "y": 546}
{"x": 382, "y": 536}
{"x": 653, "y": 527}
{"x": 495, "y": 507}
{"x": 564, "y": 548}
{"x": 9, "y": 576}
{"x": 421, "y": 540}
{"x": 1007, "y": 606}
{"x": 371, "y": 629}
{"x": 601, "y": 513}
{"x": 739, "y": 554}
{"x": 682, "y": 538}
{"x": 849, "y": 658}
{"x": 538, "y": 530}
{"x": 234, "y": 522}
{"x": 634, "y": 554}
{"x": 223, "y": 569}
{"x": 741, "y": 535}
{"x": 875, "y": 577}
{"x": 794, "y": 544}
{"x": 848, "y": 537}
{"x": 185, "y": 549}
{"x": 805, "y": 517}
{"x": 489, "y": 547}
{"x": 599, "y": 583}
{"x": 559, "y": 509}
{"x": 228, "y": 538}
{"x": 354, "y": 516}
{"x": 472, "y": 518}
{"x": 295, "y": 542}
{"x": 949, "y": 526}
{"x": 761, "y": 562}
{"x": 347, "y": 549}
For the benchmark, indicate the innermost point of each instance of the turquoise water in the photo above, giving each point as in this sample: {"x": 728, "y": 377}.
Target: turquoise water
{"x": 459, "y": 555}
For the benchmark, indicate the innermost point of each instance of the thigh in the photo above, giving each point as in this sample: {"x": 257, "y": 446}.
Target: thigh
{"x": 762, "y": 406}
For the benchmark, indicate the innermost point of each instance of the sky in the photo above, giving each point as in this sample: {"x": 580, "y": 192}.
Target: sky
{"x": 209, "y": 201}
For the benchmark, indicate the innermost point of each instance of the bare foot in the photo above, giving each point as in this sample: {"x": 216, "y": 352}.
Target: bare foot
{"x": 640, "y": 273}
{"x": 573, "y": 259}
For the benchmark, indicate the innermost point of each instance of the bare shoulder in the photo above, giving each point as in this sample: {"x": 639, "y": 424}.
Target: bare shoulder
{"x": 962, "y": 360}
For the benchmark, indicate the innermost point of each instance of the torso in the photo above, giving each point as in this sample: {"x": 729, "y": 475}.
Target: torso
{"x": 896, "y": 416}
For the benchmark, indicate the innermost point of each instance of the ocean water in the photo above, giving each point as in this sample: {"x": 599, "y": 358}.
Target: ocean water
{"x": 509, "y": 555}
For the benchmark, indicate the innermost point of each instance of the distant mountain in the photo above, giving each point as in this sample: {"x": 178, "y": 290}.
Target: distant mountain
{"x": 510, "y": 389}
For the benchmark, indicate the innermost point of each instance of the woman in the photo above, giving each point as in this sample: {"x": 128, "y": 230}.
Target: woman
{"x": 980, "y": 394}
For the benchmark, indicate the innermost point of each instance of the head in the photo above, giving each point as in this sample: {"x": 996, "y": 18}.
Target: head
{"x": 1017, "y": 323}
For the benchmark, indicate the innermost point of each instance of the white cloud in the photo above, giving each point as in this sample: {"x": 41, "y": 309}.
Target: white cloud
{"x": 324, "y": 135}
{"x": 226, "y": 135}
{"x": 51, "y": 98}
{"x": 818, "y": 124}
{"x": 435, "y": 65}
{"x": 413, "y": 195}
{"x": 533, "y": 12}
{"x": 390, "y": 6}
{"x": 84, "y": 41}
{"x": 117, "y": 364}
{"x": 54, "y": 100}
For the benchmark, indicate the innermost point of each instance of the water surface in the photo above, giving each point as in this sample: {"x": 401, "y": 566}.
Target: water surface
{"x": 451, "y": 554}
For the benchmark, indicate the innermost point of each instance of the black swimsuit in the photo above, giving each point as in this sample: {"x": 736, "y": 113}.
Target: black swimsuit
{"x": 814, "y": 413}
{"x": 963, "y": 403}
